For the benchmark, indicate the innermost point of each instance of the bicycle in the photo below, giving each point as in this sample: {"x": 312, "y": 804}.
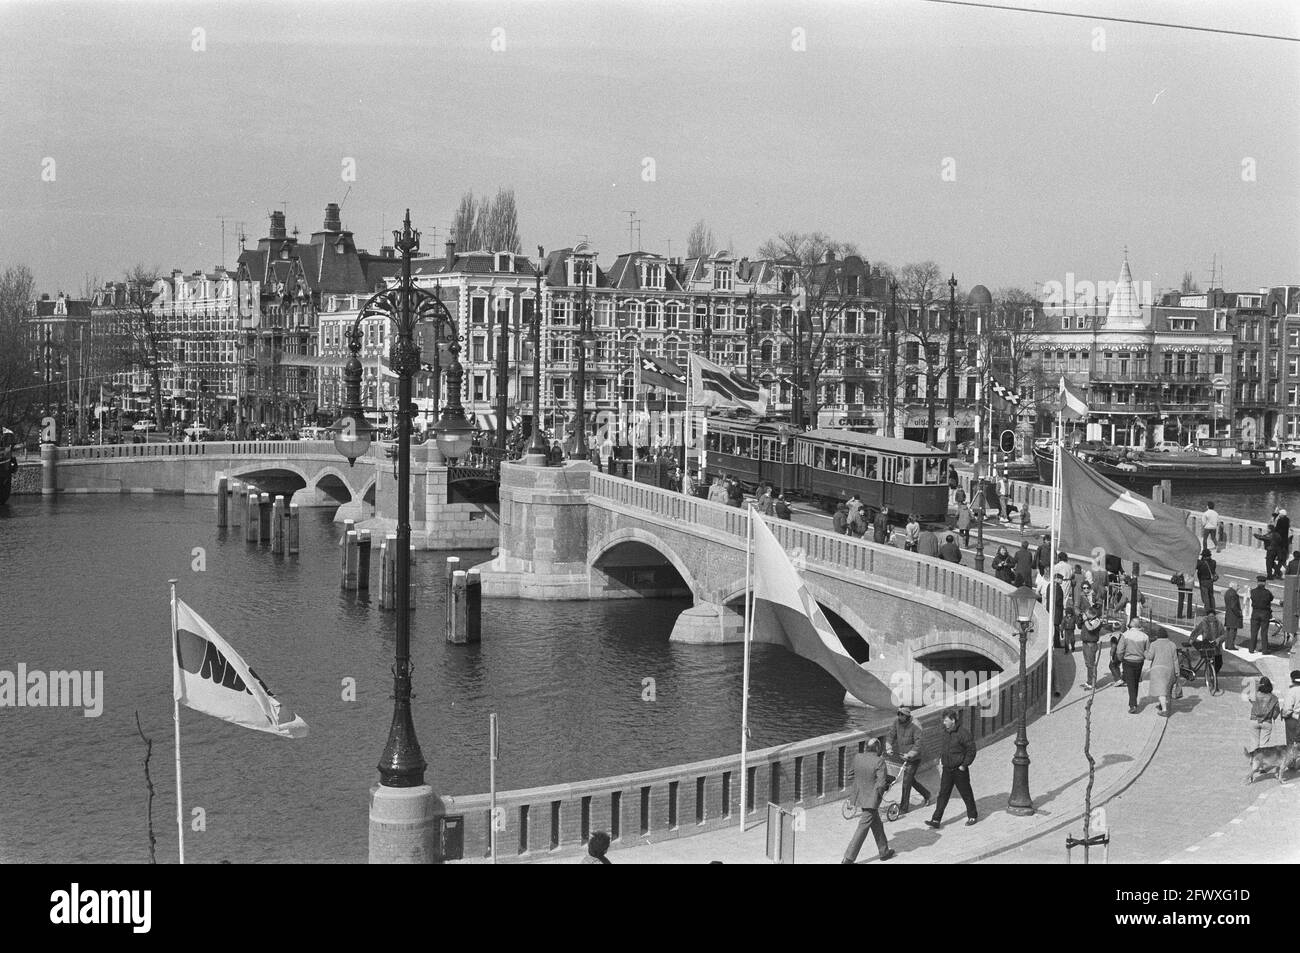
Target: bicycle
{"x": 1275, "y": 634}
{"x": 1197, "y": 660}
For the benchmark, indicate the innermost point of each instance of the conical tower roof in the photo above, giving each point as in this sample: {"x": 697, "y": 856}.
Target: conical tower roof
{"x": 1125, "y": 309}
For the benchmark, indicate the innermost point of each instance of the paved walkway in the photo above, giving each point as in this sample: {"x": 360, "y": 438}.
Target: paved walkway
{"x": 1121, "y": 745}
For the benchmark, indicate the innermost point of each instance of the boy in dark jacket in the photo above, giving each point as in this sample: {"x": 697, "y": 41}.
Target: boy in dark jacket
{"x": 955, "y": 756}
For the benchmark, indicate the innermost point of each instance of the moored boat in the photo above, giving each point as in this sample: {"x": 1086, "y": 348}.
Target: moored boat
{"x": 1146, "y": 469}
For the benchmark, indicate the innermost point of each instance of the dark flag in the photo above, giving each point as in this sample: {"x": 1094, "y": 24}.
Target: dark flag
{"x": 1096, "y": 513}
{"x": 657, "y": 372}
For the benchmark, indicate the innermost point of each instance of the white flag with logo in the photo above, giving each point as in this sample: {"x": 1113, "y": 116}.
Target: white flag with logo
{"x": 210, "y": 676}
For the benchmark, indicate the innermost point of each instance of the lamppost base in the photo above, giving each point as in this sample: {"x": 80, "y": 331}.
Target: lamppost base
{"x": 534, "y": 460}
{"x": 404, "y": 825}
{"x": 1020, "y": 810}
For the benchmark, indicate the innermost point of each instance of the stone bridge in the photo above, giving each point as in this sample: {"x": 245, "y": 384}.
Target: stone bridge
{"x": 572, "y": 533}
{"x": 307, "y": 472}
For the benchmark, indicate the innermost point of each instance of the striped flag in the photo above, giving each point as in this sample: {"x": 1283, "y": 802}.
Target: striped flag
{"x": 209, "y": 676}
{"x": 659, "y": 372}
{"x": 1073, "y": 404}
{"x": 785, "y": 613}
{"x": 1001, "y": 390}
{"x": 715, "y": 387}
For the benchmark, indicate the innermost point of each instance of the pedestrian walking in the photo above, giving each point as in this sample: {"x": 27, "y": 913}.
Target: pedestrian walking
{"x": 950, "y": 550}
{"x": 1207, "y": 574}
{"x": 688, "y": 485}
{"x": 1024, "y": 565}
{"x": 927, "y": 543}
{"x": 1209, "y": 526}
{"x": 1282, "y": 523}
{"x": 1208, "y": 636}
{"x": 1261, "y": 613}
{"x": 1163, "y": 656}
{"x": 1089, "y": 641}
{"x": 1291, "y": 709}
{"x": 956, "y": 753}
{"x": 735, "y": 494}
{"x": 1264, "y": 713}
{"x": 1184, "y": 586}
{"x": 781, "y": 508}
{"x": 1270, "y": 541}
{"x": 1043, "y": 554}
{"x": 1132, "y": 652}
{"x": 870, "y": 778}
{"x": 880, "y": 526}
{"x": 904, "y": 742}
{"x": 1232, "y": 621}
{"x": 717, "y": 492}
{"x": 959, "y": 496}
{"x": 765, "y": 500}
{"x": 1024, "y": 517}
{"x": 963, "y": 523}
{"x": 855, "y": 507}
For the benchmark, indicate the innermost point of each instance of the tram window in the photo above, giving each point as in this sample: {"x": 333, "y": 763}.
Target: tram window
{"x": 728, "y": 443}
{"x": 819, "y": 458}
{"x": 870, "y": 472}
{"x": 755, "y": 445}
{"x": 918, "y": 471}
{"x": 767, "y": 448}
{"x": 789, "y": 452}
{"x": 805, "y": 455}
{"x": 833, "y": 461}
{"x": 890, "y": 468}
{"x": 943, "y": 470}
{"x": 857, "y": 465}
{"x": 711, "y": 441}
{"x": 905, "y": 470}
{"x": 932, "y": 471}
{"x": 742, "y": 446}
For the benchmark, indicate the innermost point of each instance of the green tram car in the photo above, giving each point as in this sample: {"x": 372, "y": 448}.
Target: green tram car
{"x": 829, "y": 466}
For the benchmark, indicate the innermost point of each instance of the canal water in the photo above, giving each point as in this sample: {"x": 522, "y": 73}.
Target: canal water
{"x": 84, "y": 586}
{"x": 1256, "y": 504}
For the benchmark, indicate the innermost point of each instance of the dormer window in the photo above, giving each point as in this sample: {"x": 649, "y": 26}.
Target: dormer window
{"x": 653, "y": 276}
{"x": 583, "y": 273}
{"x": 722, "y": 278}
{"x": 503, "y": 262}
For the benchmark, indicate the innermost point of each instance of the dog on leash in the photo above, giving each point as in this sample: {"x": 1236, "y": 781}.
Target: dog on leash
{"x": 1276, "y": 758}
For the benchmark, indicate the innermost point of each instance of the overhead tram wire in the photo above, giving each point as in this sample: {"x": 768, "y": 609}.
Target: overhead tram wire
{"x": 1092, "y": 16}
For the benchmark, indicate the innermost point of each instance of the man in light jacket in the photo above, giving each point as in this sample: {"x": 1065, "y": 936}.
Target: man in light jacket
{"x": 870, "y": 778}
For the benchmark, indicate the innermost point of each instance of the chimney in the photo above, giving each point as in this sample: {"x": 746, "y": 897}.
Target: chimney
{"x": 387, "y": 251}
{"x": 332, "y": 221}
{"x": 277, "y": 225}
{"x": 451, "y": 253}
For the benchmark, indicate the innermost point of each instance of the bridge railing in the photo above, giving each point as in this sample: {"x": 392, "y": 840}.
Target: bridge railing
{"x": 138, "y": 451}
{"x": 961, "y": 583}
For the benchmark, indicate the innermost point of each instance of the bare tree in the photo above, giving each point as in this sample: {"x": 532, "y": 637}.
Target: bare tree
{"x": 503, "y": 224}
{"x": 18, "y": 367}
{"x": 462, "y": 223}
{"x": 1013, "y": 334}
{"x": 818, "y": 263}
{"x": 482, "y": 216}
{"x": 137, "y": 333}
{"x": 1189, "y": 285}
{"x": 921, "y": 285}
{"x": 700, "y": 242}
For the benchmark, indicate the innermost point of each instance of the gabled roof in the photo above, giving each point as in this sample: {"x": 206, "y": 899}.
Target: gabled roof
{"x": 76, "y": 308}
{"x": 557, "y": 272}
{"x": 625, "y": 275}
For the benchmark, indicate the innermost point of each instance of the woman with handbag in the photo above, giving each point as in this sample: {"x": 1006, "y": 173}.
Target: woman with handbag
{"x": 1207, "y": 574}
{"x": 1163, "y": 656}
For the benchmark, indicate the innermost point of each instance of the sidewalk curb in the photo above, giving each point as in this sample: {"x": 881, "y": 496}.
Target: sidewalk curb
{"x": 1049, "y": 825}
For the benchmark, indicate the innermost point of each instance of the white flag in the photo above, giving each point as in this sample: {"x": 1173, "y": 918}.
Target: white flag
{"x": 209, "y": 676}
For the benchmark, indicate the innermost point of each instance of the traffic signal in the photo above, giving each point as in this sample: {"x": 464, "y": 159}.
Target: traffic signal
{"x": 1008, "y": 441}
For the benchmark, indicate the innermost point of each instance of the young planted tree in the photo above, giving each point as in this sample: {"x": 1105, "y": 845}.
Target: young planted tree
{"x": 822, "y": 278}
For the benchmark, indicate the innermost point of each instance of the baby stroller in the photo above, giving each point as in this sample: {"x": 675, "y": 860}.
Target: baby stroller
{"x": 888, "y": 807}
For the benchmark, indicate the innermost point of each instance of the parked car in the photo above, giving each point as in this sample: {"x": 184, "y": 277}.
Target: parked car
{"x": 144, "y": 426}
{"x": 196, "y": 433}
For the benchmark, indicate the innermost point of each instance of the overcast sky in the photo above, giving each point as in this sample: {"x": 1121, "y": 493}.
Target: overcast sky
{"x": 1061, "y": 145}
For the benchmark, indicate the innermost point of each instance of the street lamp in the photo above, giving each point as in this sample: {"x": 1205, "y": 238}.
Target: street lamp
{"x": 538, "y": 445}
{"x": 1023, "y": 600}
{"x": 954, "y": 333}
{"x": 750, "y": 322}
{"x": 585, "y": 339}
{"x": 402, "y": 763}
{"x": 891, "y": 358}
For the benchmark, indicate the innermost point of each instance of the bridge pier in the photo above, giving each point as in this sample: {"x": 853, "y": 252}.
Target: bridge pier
{"x": 707, "y": 623}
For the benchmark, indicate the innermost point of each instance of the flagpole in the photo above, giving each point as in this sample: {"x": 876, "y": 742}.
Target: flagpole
{"x": 492, "y": 785}
{"x": 1054, "y": 536}
{"x": 176, "y": 722}
{"x": 744, "y": 696}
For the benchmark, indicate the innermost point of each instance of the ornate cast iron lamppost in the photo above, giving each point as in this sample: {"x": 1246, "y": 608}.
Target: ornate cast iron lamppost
{"x": 402, "y": 763}
{"x": 538, "y": 445}
{"x": 891, "y": 358}
{"x": 1023, "y": 599}
{"x": 584, "y": 339}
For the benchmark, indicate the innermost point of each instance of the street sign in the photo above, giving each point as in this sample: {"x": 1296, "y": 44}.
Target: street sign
{"x": 1007, "y": 442}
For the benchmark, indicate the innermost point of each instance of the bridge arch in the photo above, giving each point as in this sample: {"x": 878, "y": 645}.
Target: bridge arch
{"x": 844, "y": 619}
{"x": 333, "y": 484}
{"x": 632, "y": 559}
{"x": 276, "y": 479}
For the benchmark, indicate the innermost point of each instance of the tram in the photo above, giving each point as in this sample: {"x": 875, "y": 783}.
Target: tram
{"x": 828, "y": 466}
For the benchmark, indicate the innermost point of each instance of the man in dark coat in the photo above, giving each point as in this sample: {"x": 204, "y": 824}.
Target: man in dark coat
{"x": 904, "y": 741}
{"x": 870, "y": 777}
{"x": 950, "y": 550}
{"x": 1232, "y": 621}
{"x": 955, "y": 757}
{"x": 880, "y": 527}
{"x": 1043, "y": 555}
{"x": 1024, "y": 564}
{"x": 1207, "y": 572}
{"x": 1261, "y": 612}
